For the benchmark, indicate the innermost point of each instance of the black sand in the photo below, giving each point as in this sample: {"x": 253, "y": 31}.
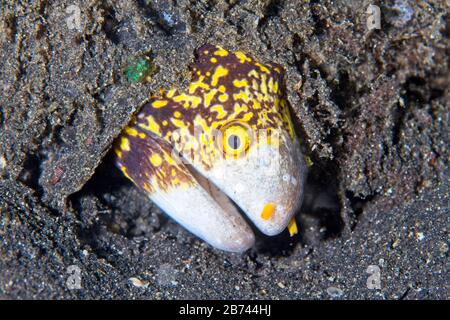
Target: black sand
{"x": 371, "y": 106}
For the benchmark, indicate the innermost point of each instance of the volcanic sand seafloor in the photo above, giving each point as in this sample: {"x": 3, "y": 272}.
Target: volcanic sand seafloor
{"x": 406, "y": 247}
{"x": 371, "y": 109}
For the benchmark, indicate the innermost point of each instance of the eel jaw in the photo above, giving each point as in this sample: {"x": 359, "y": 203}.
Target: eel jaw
{"x": 268, "y": 176}
{"x": 207, "y": 213}
{"x": 199, "y": 198}
{"x": 205, "y": 208}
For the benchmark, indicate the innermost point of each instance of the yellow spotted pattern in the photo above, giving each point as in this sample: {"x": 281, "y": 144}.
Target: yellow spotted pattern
{"x": 228, "y": 91}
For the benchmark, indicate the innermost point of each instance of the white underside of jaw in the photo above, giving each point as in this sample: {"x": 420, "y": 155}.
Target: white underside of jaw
{"x": 207, "y": 214}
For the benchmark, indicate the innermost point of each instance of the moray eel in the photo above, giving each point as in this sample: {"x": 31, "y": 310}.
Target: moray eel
{"x": 227, "y": 141}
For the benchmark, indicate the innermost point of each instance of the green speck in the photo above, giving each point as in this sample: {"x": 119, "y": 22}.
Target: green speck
{"x": 308, "y": 161}
{"x": 139, "y": 69}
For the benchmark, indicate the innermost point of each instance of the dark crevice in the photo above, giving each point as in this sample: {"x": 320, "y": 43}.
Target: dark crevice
{"x": 405, "y": 294}
{"x": 10, "y": 26}
{"x": 419, "y": 91}
{"x": 321, "y": 200}
{"x": 272, "y": 9}
{"x": 31, "y": 173}
{"x": 320, "y": 23}
{"x": 343, "y": 93}
{"x": 198, "y": 11}
{"x": 334, "y": 137}
{"x": 436, "y": 93}
{"x": 312, "y": 104}
{"x": 297, "y": 52}
{"x": 445, "y": 31}
{"x": 398, "y": 119}
{"x": 2, "y": 118}
{"x": 110, "y": 192}
{"x": 357, "y": 204}
{"x": 111, "y": 25}
{"x": 415, "y": 90}
{"x": 162, "y": 17}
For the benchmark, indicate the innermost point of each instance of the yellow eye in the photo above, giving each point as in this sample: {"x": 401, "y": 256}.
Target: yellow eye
{"x": 236, "y": 139}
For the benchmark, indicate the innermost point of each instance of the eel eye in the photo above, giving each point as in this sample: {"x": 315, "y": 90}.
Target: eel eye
{"x": 236, "y": 139}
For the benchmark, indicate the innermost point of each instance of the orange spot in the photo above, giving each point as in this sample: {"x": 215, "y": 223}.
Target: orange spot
{"x": 268, "y": 211}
